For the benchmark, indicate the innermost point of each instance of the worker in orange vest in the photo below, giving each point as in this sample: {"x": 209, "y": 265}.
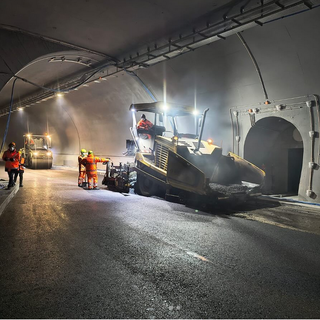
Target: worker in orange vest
{"x": 145, "y": 128}
{"x": 12, "y": 158}
{"x": 20, "y": 171}
{"x": 82, "y": 167}
{"x": 144, "y": 124}
{"x": 91, "y": 169}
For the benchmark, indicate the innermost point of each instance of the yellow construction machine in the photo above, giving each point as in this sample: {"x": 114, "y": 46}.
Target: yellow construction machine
{"x": 172, "y": 160}
{"x": 36, "y": 151}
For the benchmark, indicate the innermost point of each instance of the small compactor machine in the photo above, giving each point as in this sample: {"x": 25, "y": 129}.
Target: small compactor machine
{"x": 116, "y": 178}
{"x": 36, "y": 151}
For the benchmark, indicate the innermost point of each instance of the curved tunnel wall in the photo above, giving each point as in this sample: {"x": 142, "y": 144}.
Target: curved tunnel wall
{"x": 218, "y": 76}
{"x": 18, "y": 50}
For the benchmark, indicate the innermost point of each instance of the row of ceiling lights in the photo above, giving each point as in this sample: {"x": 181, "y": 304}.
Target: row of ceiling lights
{"x": 52, "y": 95}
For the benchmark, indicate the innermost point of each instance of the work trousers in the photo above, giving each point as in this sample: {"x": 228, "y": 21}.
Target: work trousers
{"x": 94, "y": 177}
{"x": 20, "y": 172}
{"x": 82, "y": 175}
{"x": 11, "y": 175}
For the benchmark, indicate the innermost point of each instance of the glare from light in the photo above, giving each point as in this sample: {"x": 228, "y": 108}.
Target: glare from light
{"x": 59, "y": 94}
{"x": 20, "y": 109}
{"x": 195, "y": 112}
{"x": 96, "y": 81}
{"x": 210, "y": 141}
{"x": 49, "y": 153}
{"x": 29, "y": 135}
{"x": 35, "y": 153}
{"x": 164, "y": 106}
{"x": 133, "y": 110}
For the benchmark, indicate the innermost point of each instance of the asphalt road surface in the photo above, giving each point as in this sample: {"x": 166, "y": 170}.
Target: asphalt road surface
{"x": 73, "y": 253}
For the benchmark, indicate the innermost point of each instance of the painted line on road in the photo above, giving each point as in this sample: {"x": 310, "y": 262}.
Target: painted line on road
{"x": 263, "y": 220}
{"x": 15, "y": 189}
{"x": 193, "y": 254}
{"x": 188, "y": 252}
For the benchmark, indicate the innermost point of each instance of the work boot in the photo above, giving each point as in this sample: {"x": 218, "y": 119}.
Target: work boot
{"x": 21, "y": 185}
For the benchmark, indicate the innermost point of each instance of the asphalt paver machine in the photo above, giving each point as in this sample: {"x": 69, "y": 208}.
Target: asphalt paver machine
{"x": 173, "y": 160}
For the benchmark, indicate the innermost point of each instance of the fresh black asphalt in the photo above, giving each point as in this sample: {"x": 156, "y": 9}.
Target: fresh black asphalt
{"x": 73, "y": 253}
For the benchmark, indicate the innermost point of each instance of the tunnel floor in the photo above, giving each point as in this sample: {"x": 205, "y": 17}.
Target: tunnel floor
{"x": 74, "y": 253}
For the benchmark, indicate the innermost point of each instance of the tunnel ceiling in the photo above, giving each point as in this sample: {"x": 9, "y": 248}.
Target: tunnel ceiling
{"x": 126, "y": 34}
{"x": 111, "y": 27}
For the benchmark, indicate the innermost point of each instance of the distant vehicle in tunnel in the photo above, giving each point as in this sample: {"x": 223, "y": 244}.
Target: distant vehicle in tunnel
{"x": 172, "y": 159}
{"x": 36, "y": 151}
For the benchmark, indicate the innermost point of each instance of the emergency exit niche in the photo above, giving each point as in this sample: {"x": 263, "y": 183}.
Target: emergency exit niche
{"x": 275, "y": 145}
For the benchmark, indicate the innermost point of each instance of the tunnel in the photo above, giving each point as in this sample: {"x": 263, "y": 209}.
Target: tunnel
{"x": 214, "y": 55}
{"x": 210, "y": 213}
{"x": 276, "y": 146}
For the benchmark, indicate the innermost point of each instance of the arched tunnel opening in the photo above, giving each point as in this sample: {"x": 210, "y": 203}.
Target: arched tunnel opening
{"x": 276, "y": 146}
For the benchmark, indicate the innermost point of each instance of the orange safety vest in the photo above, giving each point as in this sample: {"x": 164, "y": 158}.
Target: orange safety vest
{"x": 11, "y": 164}
{"x": 144, "y": 124}
{"x": 82, "y": 168}
{"x": 91, "y": 163}
{"x": 21, "y": 165}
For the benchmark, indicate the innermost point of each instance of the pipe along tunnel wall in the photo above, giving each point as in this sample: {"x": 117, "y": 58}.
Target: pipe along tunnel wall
{"x": 218, "y": 76}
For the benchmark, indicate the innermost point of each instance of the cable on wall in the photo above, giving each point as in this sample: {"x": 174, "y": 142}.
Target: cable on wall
{"x": 44, "y": 88}
{"x": 133, "y": 74}
{"x": 255, "y": 64}
{"x": 8, "y": 121}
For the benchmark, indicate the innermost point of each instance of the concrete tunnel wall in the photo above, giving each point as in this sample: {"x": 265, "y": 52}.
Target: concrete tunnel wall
{"x": 218, "y": 76}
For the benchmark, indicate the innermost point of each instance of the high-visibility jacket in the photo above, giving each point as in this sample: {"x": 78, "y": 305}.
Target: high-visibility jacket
{"x": 21, "y": 165}
{"x": 15, "y": 156}
{"x": 91, "y": 163}
{"x": 144, "y": 124}
{"x": 82, "y": 167}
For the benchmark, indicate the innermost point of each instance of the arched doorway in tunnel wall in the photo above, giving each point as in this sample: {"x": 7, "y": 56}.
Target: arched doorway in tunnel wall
{"x": 276, "y": 146}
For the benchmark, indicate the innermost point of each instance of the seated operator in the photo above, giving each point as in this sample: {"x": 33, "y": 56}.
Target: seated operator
{"x": 144, "y": 125}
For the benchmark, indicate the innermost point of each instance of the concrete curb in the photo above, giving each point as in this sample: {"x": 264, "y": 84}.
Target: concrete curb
{"x": 14, "y": 190}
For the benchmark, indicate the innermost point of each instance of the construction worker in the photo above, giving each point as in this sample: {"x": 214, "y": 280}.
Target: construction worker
{"x": 11, "y": 157}
{"x": 82, "y": 167}
{"x": 20, "y": 171}
{"x": 91, "y": 169}
{"x": 144, "y": 124}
